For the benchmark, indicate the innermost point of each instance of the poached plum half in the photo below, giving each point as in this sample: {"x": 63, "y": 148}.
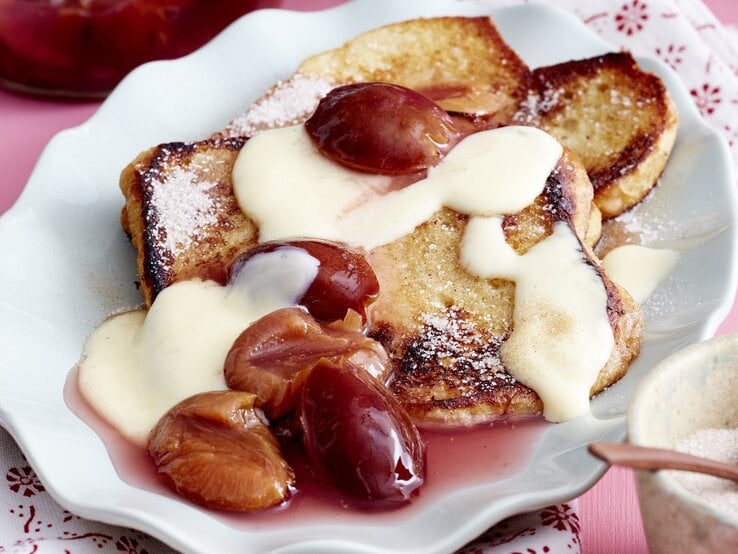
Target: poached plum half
{"x": 214, "y": 449}
{"x": 381, "y": 128}
{"x": 357, "y": 436}
{"x": 273, "y": 356}
{"x": 345, "y": 280}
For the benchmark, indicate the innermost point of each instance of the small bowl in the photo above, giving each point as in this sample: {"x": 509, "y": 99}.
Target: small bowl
{"x": 695, "y": 388}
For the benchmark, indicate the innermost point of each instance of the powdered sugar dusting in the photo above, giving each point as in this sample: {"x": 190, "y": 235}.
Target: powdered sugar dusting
{"x": 290, "y": 102}
{"x": 184, "y": 206}
{"x": 649, "y": 229}
{"x": 469, "y": 358}
{"x": 640, "y": 225}
{"x": 535, "y": 105}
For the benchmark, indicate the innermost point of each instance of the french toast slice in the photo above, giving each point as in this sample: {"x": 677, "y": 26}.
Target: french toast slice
{"x": 441, "y": 326}
{"x": 444, "y": 327}
{"x": 181, "y": 213}
{"x": 463, "y": 64}
{"x": 619, "y": 120}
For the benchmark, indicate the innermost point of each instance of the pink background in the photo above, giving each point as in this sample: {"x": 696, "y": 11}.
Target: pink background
{"x": 608, "y": 512}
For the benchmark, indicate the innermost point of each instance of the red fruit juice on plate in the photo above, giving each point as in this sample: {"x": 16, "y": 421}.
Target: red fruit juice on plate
{"x": 455, "y": 458}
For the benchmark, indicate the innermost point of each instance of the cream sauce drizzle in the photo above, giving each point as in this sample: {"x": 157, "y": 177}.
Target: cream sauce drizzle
{"x": 136, "y": 366}
{"x": 639, "y": 269}
{"x": 560, "y": 339}
{"x": 291, "y": 190}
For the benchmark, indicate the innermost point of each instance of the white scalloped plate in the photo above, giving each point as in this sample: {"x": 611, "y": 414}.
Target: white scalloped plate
{"x": 66, "y": 265}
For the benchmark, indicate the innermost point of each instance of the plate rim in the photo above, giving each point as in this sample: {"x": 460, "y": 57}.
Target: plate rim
{"x": 15, "y": 425}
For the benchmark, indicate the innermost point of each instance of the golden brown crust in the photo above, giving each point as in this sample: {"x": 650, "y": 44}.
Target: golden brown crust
{"x": 181, "y": 213}
{"x": 626, "y": 320}
{"x": 462, "y": 63}
{"x": 619, "y": 119}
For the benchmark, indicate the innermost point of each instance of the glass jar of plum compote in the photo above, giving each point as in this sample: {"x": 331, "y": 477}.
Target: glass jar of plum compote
{"x": 82, "y": 48}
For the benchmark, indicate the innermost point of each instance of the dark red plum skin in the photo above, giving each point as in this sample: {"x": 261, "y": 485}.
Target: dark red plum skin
{"x": 358, "y": 437}
{"x": 381, "y": 128}
{"x": 345, "y": 280}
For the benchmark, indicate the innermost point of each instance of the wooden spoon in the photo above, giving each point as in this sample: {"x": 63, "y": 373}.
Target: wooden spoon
{"x": 642, "y": 457}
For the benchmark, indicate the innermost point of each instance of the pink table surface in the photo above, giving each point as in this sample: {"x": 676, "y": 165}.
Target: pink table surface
{"x": 609, "y": 512}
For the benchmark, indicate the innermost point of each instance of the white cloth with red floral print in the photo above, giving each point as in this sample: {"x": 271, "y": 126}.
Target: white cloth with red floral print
{"x": 683, "y": 33}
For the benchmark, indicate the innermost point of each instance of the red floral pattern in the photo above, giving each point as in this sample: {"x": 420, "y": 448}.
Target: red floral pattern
{"x": 129, "y": 545}
{"x": 706, "y": 97}
{"x": 632, "y": 17}
{"x": 672, "y": 54}
{"x": 597, "y": 21}
{"x": 23, "y": 480}
{"x": 562, "y": 518}
{"x": 731, "y": 133}
{"x": 34, "y": 523}
{"x": 553, "y": 529}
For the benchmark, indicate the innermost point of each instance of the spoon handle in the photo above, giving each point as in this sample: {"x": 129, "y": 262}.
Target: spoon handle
{"x": 642, "y": 457}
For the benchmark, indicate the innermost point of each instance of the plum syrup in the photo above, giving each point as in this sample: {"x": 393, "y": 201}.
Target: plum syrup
{"x": 455, "y": 458}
